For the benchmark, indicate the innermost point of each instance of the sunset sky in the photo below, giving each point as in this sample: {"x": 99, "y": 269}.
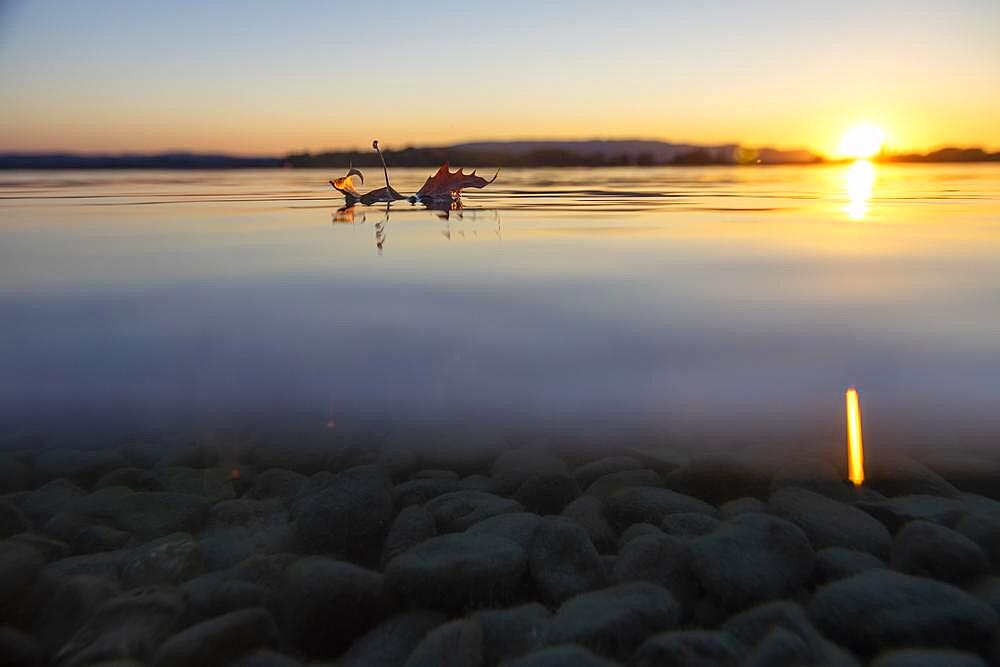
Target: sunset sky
{"x": 274, "y": 77}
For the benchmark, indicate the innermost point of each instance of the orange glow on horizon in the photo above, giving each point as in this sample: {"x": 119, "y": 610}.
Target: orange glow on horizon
{"x": 855, "y": 448}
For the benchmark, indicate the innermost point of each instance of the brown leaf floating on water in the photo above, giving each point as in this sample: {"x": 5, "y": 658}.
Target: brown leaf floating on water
{"x": 447, "y": 184}
{"x": 345, "y": 185}
{"x": 443, "y": 186}
{"x": 385, "y": 194}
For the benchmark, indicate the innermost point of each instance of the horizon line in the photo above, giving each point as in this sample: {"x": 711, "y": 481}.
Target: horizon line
{"x": 886, "y": 152}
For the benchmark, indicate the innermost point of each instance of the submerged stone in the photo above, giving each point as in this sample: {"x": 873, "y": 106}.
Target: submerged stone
{"x": 751, "y": 558}
{"x": 882, "y": 609}
{"x": 458, "y": 570}
{"x": 614, "y": 621}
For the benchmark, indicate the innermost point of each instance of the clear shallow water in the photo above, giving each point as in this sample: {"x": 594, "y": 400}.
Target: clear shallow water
{"x": 707, "y": 306}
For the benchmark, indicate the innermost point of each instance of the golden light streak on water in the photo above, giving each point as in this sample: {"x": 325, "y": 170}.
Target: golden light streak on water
{"x": 855, "y": 448}
{"x": 860, "y": 182}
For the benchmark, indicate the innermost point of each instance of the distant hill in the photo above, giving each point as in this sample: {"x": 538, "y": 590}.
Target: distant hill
{"x": 946, "y": 155}
{"x": 135, "y": 161}
{"x": 596, "y": 153}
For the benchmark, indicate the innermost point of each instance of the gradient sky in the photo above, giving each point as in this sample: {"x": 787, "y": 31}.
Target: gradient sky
{"x": 272, "y": 77}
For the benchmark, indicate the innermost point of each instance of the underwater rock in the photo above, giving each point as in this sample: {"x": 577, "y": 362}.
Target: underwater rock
{"x": 349, "y": 515}
{"x": 916, "y": 657}
{"x": 756, "y": 627}
{"x": 265, "y": 658}
{"x": 830, "y": 523}
{"x": 106, "y": 564}
{"x": 18, "y": 649}
{"x": 689, "y": 648}
{"x": 19, "y": 567}
{"x": 393, "y": 640}
{"x": 547, "y": 494}
{"x": 780, "y": 647}
{"x": 895, "y": 512}
{"x": 689, "y": 524}
{"x": 511, "y": 633}
{"x": 219, "y": 640}
{"x": 927, "y": 549}
{"x": 588, "y": 513}
{"x": 14, "y": 475}
{"x": 835, "y": 563}
{"x": 410, "y": 527}
{"x": 881, "y": 609}
{"x": 155, "y": 514}
{"x": 132, "y": 625}
{"x": 608, "y": 485}
{"x": 896, "y": 474}
{"x": 420, "y": 491}
{"x": 172, "y": 559}
{"x": 739, "y": 506}
{"x": 458, "y": 570}
{"x": 94, "y": 539}
{"x": 562, "y": 561}
{"x": 635, "y": 531}
{"x": 61, "y": 605}
{"x": 214, "y": 483}
{"x": 454, "y": 512}
{"x": 41, "y": 504}
{"x": 433, "y": 473}
{"x": 588, "y": 473}
{"x": 660, "y": 559}
{"x": 751, "y": 558}
{"x": 136, "y": 479}
{"x": 566, "y": 655}
{"x": 241, "y": 528}
{"x": 719, "y": 479}
{"x": 983, "y": 528}
{"x": 455, "y": 644}
{"x": 815, "y": 474}
{"x": 513, "y": 467}
{"x": 214, "y": 594}
{"x": 650, "y": 505}
{"x": 614, "y": 621}
{"x": 276, "y": 483}
{"x": 12, "y": 520}
{"x": 328, "y": 603}
{"x": 517, "y": 527}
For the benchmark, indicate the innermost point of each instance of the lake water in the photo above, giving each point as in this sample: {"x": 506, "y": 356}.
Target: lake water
{"x": 708, "y": 306}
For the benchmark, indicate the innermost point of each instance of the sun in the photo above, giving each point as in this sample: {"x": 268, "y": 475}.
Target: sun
{"x": 863, "y": 141}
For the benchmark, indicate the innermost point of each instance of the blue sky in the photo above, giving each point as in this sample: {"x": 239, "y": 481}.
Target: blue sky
{"x": 272, "y": 77}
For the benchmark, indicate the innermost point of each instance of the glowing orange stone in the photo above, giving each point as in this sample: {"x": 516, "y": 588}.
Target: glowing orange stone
{"x": 855, "y": 449}
{"x": 235, "y": 474}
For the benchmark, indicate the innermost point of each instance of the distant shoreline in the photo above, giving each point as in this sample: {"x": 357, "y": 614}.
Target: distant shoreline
{"x": 512, "y": 154}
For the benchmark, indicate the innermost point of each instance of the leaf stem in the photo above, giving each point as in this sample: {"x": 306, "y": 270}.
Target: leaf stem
{"x": 385, "y": 169}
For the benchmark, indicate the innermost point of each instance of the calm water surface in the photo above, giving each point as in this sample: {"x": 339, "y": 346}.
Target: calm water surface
{"x": 708, "y": 305}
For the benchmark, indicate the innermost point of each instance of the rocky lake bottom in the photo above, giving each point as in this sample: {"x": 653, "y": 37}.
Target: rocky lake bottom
{"x": 380, "y": 553}
{"x": 581, "y": 318}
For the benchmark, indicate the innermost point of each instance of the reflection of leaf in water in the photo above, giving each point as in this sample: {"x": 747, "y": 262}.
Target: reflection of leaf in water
{"x": 344, "y": 214}
{"x": 446, "y": 185}
{"x": 444, "y": 207}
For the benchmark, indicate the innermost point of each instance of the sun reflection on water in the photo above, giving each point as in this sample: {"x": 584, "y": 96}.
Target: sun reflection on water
{"x": 860, "y": 180}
